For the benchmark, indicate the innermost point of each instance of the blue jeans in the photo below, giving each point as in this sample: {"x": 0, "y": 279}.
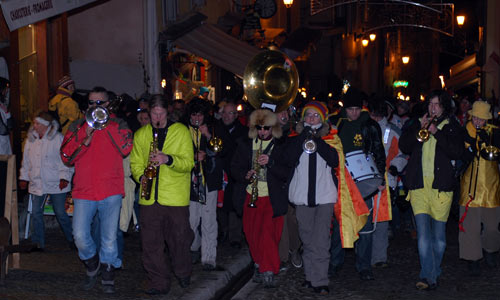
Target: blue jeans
{"x": 108, "y": 211}
{"x": 96, "y": 236}
{"x": 58, "y": 202}
{"x": 362, "y": 247}
{"x": 431, "y": 236}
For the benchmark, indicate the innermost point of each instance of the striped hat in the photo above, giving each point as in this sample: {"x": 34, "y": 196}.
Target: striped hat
{"x": 319, "y": 107}
{"x": 65, "y": 81}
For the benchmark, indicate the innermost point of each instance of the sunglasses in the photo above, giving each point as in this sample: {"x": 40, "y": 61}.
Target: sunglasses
{"x": 262, "y": 127}
{"x": 98, "y": 102}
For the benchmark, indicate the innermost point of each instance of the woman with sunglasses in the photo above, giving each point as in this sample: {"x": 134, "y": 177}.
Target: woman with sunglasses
{"x": 260, "y": 192}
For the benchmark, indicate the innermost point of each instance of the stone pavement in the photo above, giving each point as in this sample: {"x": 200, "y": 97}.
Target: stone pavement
{"x": 395, "y": 282}
{"x": 57, "y": 274}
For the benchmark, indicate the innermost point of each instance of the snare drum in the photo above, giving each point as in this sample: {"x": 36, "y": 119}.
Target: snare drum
{"x": 364, "y": 172}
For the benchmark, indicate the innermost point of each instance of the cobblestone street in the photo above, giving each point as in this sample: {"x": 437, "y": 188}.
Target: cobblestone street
{"x": 57, "y": 274}
{"x": 395, "y": 282}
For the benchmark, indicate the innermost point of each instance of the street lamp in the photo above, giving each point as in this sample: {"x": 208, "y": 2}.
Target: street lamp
{"x": 460, "y": 20}
{"x": 373, "y": 36}
{"x": 364, "y": 42}
{"x": 405, "y": 59}
{"x": 288, "y": 3}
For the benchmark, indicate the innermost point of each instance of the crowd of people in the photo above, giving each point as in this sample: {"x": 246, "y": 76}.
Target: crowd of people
{"x": 297, "y": 186}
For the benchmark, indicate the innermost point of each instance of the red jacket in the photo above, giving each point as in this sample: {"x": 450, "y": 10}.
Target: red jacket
{"x": 98, "y": 167}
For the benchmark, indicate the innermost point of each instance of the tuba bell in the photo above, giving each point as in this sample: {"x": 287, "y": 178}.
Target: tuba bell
{"x": 271, "y": 77}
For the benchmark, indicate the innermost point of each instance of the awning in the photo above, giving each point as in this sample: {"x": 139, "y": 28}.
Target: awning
{"x": 464, "y": 73}
{"x": 219, "y": 48}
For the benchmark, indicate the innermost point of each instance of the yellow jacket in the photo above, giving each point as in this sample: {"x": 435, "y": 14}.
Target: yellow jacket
{"x": 66, "y": 108}
{"x": 175, "y": 179}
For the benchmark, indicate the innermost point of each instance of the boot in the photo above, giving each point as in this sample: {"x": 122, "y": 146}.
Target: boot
{"x": 108, "y": 279}
{"x": 92, "y": 264}
{"x": 490, "y": 258}
{"x": 257, "y": 276}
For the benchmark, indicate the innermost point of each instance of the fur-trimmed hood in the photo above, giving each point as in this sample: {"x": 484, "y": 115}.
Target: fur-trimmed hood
{"x": 323, "y": 130}
{"x": 50, "y": 134}
{"x": 264, "y": 117}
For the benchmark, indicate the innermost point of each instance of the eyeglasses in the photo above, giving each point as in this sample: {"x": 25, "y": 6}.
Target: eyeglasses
{"x": 262, "y": 127}
{"x": 314, "y": 115}
{"x": 98, "y": 102}
{"x": 230, "y": 112}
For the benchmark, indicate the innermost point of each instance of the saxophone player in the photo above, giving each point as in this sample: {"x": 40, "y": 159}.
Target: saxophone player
{"x": 206, "y": 180}
{"x": 164, "y": 218}
{"x": 263, "y": 222}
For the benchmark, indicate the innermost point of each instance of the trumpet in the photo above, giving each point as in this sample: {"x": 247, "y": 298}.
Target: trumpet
{"x": 490, "y": 152}
{"x": 423, "y": 134}
{"x": 150, "y": 171}
{"x": 97, "y": 118}
{"x": 254, "y": 180}
{"x": 309, "y": 146}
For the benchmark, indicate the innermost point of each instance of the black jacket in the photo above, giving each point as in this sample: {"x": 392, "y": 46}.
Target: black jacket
{"x": 450, "y": 146}
{"x": 211, "y": 166}
{"x": 276, "y": 176}
{"x": 229, "y": 141}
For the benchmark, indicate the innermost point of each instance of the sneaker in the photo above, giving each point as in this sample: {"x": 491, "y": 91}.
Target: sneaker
{"x": 366, "y": 275}
{"x": 381, "y": 265}
{"x": 257, "y": 276}
{"x": 296, "y": 258}
{"x": 424, "y": 285}
{"x": 307, "y": 284}
{"x": 283, "y": 267}
{"x": 268, "y": 279}
{"x": 322, "y": 290}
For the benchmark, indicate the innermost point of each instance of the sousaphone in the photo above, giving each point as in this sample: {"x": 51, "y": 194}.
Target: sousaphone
{"x": 271, "y": 80}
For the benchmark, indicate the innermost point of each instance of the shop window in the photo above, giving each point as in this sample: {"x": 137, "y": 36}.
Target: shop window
{"x": 27, "y": 75}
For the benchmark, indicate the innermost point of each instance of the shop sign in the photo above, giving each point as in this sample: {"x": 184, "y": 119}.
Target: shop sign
{"x": 20, "y": 13}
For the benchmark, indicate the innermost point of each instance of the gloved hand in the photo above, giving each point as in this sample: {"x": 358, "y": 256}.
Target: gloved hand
{"x": 483, "y": 136}
{"x": 23, "y": 184}
{"x": 63, "y": 183}
{"x": 393, "y": 171}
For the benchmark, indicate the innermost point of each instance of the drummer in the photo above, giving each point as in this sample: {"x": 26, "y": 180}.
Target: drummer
{"x": 357, "y": 131}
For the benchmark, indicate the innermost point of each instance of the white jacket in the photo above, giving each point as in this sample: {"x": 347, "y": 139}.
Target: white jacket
{"x": 389, "y": 132}
{"x": 42, "y": 165}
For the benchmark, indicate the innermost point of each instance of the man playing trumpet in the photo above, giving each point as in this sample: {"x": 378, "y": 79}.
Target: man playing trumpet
{"x": 430, "y": 180}
{"x": 480, "y": 195}
{"x": 98, "y": 187}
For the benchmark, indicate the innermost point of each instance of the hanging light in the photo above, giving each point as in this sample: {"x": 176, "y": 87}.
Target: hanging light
{"x": 364, "y": 42}
{"x": 163, "y": 83}
{"x": 373, "y": 36}
{"x": 405, "y": 59}
{"x": 460, "y": 20}
{"x": 288, "y": 3}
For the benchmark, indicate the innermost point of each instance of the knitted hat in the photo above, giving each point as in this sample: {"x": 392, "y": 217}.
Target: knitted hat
{"x": 319, "y": 107}
{"x": 65, "y": 81}
{"x": 204, "y": 90}
{"x": 353, "y": 98}
{"x": 481, "y": 109}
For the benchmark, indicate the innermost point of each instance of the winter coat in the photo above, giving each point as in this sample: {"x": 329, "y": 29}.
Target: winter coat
{"x": 171, "y": 187}
{"x": 276, "y": 176}
{"x": 67, "y": 109}
{"x": 99, "y": 166}
{"x": 42, "y": 165}
{"x": 450, "y": 146}
{"x": 329, "y": 157}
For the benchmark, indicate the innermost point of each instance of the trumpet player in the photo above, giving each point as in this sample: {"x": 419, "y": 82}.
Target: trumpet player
{"x": 164, "y": 211}
{"x": 206, "y": 180}
{"x": 313, "y": 190}
{"x": 480, "y": 195}
{"x": 98, "y": 187}
{"x": 260, "y": 192}
{"x": 430, "y": 180}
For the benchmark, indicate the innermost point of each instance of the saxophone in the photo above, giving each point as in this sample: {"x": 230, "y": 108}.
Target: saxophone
{"x": 254, "y": 180}
{"x": 150, "y": 171}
